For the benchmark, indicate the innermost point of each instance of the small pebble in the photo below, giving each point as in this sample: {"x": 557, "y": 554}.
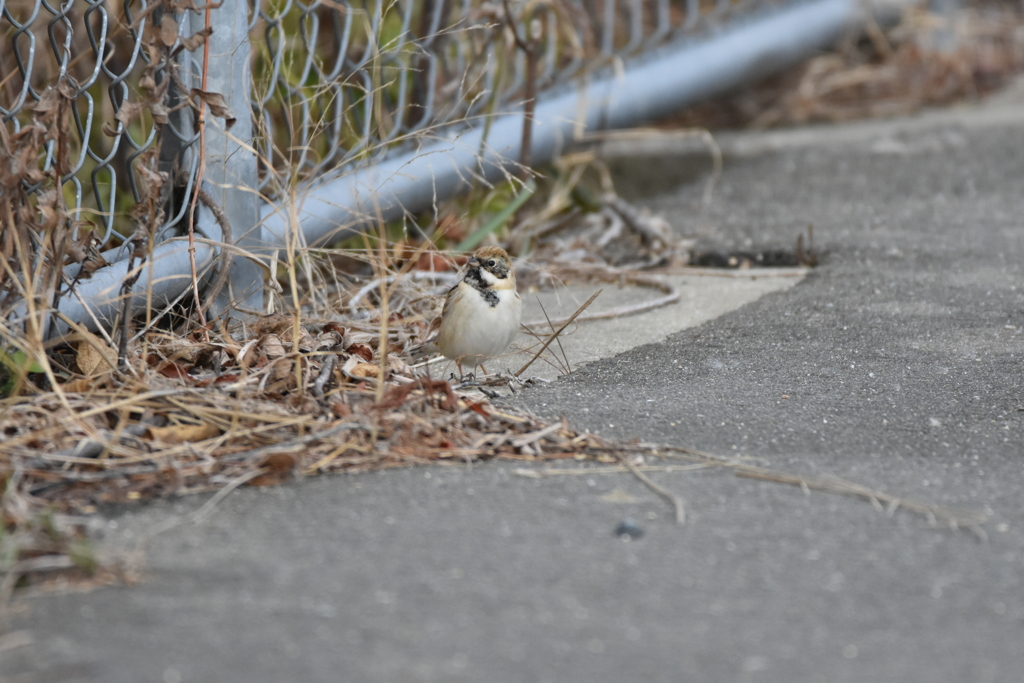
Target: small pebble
{"x": 629, "y": 529}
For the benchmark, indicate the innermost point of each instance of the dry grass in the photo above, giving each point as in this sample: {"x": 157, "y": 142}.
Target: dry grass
{"x": 276, "y": 404}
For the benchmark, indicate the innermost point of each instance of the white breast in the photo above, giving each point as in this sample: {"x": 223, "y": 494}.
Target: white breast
{"x": 473, "y": 331}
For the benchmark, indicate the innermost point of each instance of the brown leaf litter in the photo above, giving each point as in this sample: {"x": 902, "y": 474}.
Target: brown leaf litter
{"x": 245, "y": 411}
{"x": 277, "y": 400}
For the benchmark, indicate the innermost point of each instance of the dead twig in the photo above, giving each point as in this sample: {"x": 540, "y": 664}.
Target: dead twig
{"x": 325, "y": 375}
{"x": 527, "y": 439}
{"x": 551, "y": 326}
{"x": 201, "y": 128}
{"x": 642, "y": 134}
{"x": 955, "y": 519}
{"x": 255, "y": 453}
{"x": 751, "y": 273}
{"x": 226, "y": 252}
{"x": 527, "y": 45}
{"x": 607, "y": 274}
{"x": 558, "y": 332}
{"x": 43, "y": 563}
{"x": 677, "y": 502}
{"x": 202, "y": 513}
{"x": 614, "y": 469}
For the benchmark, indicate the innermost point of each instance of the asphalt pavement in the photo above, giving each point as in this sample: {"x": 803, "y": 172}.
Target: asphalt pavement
{"x": 898, "y": 364}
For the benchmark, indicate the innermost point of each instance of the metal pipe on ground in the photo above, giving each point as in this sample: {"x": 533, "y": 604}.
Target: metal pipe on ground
{"x": 653, "y": 86}
{"x": 165, "y": 276}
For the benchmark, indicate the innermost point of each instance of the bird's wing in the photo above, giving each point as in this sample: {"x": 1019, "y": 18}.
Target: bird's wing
{"x": 429, "y": 347}
{"x": 454, "y": 294}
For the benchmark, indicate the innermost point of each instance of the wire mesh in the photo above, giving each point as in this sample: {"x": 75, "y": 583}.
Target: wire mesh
{"x": 333, "y": 83}
{"x": 340, "y": 82}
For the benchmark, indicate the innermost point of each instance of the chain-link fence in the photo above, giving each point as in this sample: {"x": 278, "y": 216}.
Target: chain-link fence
{"x": 332, "y": 83}
{"x": 114, "y": 112}
{"x": 335, "y": 84}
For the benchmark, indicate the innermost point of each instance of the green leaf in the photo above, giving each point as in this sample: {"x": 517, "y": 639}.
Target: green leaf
{"x": 499, "y": 219}
{"x": 20, "y": 363}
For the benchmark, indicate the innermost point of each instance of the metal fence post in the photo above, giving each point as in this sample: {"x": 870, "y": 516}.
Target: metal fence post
{"x": 230, "y": 159}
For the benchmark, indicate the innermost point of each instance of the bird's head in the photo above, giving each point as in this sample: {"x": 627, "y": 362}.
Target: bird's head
{"x": 494, "y": 267}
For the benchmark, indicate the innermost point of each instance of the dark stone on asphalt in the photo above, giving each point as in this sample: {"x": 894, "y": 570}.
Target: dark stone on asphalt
{"x": 628, "y": 529}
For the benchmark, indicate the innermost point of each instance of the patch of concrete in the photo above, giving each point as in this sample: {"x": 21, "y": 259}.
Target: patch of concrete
{"x": 704, "y": 297}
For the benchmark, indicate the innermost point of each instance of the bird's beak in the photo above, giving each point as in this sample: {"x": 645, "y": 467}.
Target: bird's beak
{"x": 473, "y": 262}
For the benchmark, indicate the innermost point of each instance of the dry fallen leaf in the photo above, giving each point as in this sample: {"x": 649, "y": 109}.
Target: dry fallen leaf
{"x": 168, "y": 30}
{"x": 363, "y": 370}
{"x": 77, "y": 386}
{"x": 183, "y": 433}
{"x": 277, "y": 466}
{"x": 273, "y": 346}
{"x": 94, "y": 356}
{"x": 218, "y": 105}
{"x": 361, "y": 350}
{"x": 196, "y": 39}
{"x": 282, "y": 369}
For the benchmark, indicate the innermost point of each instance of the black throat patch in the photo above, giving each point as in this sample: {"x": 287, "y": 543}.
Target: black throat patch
{"x": 474, "y": 279}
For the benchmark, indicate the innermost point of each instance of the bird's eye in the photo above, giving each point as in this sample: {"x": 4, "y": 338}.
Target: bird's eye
{"x": 491, "y": 263}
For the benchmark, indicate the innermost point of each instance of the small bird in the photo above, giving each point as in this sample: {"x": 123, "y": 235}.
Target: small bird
{"x": 482, "y": 312}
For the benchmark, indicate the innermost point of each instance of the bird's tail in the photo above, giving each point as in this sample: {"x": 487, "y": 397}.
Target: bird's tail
{"x": 422, "y": 352}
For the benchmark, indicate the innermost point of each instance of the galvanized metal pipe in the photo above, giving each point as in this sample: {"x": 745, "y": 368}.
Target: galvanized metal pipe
{"x": 230, "y": 159}
{"x": 164, "y": 277}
